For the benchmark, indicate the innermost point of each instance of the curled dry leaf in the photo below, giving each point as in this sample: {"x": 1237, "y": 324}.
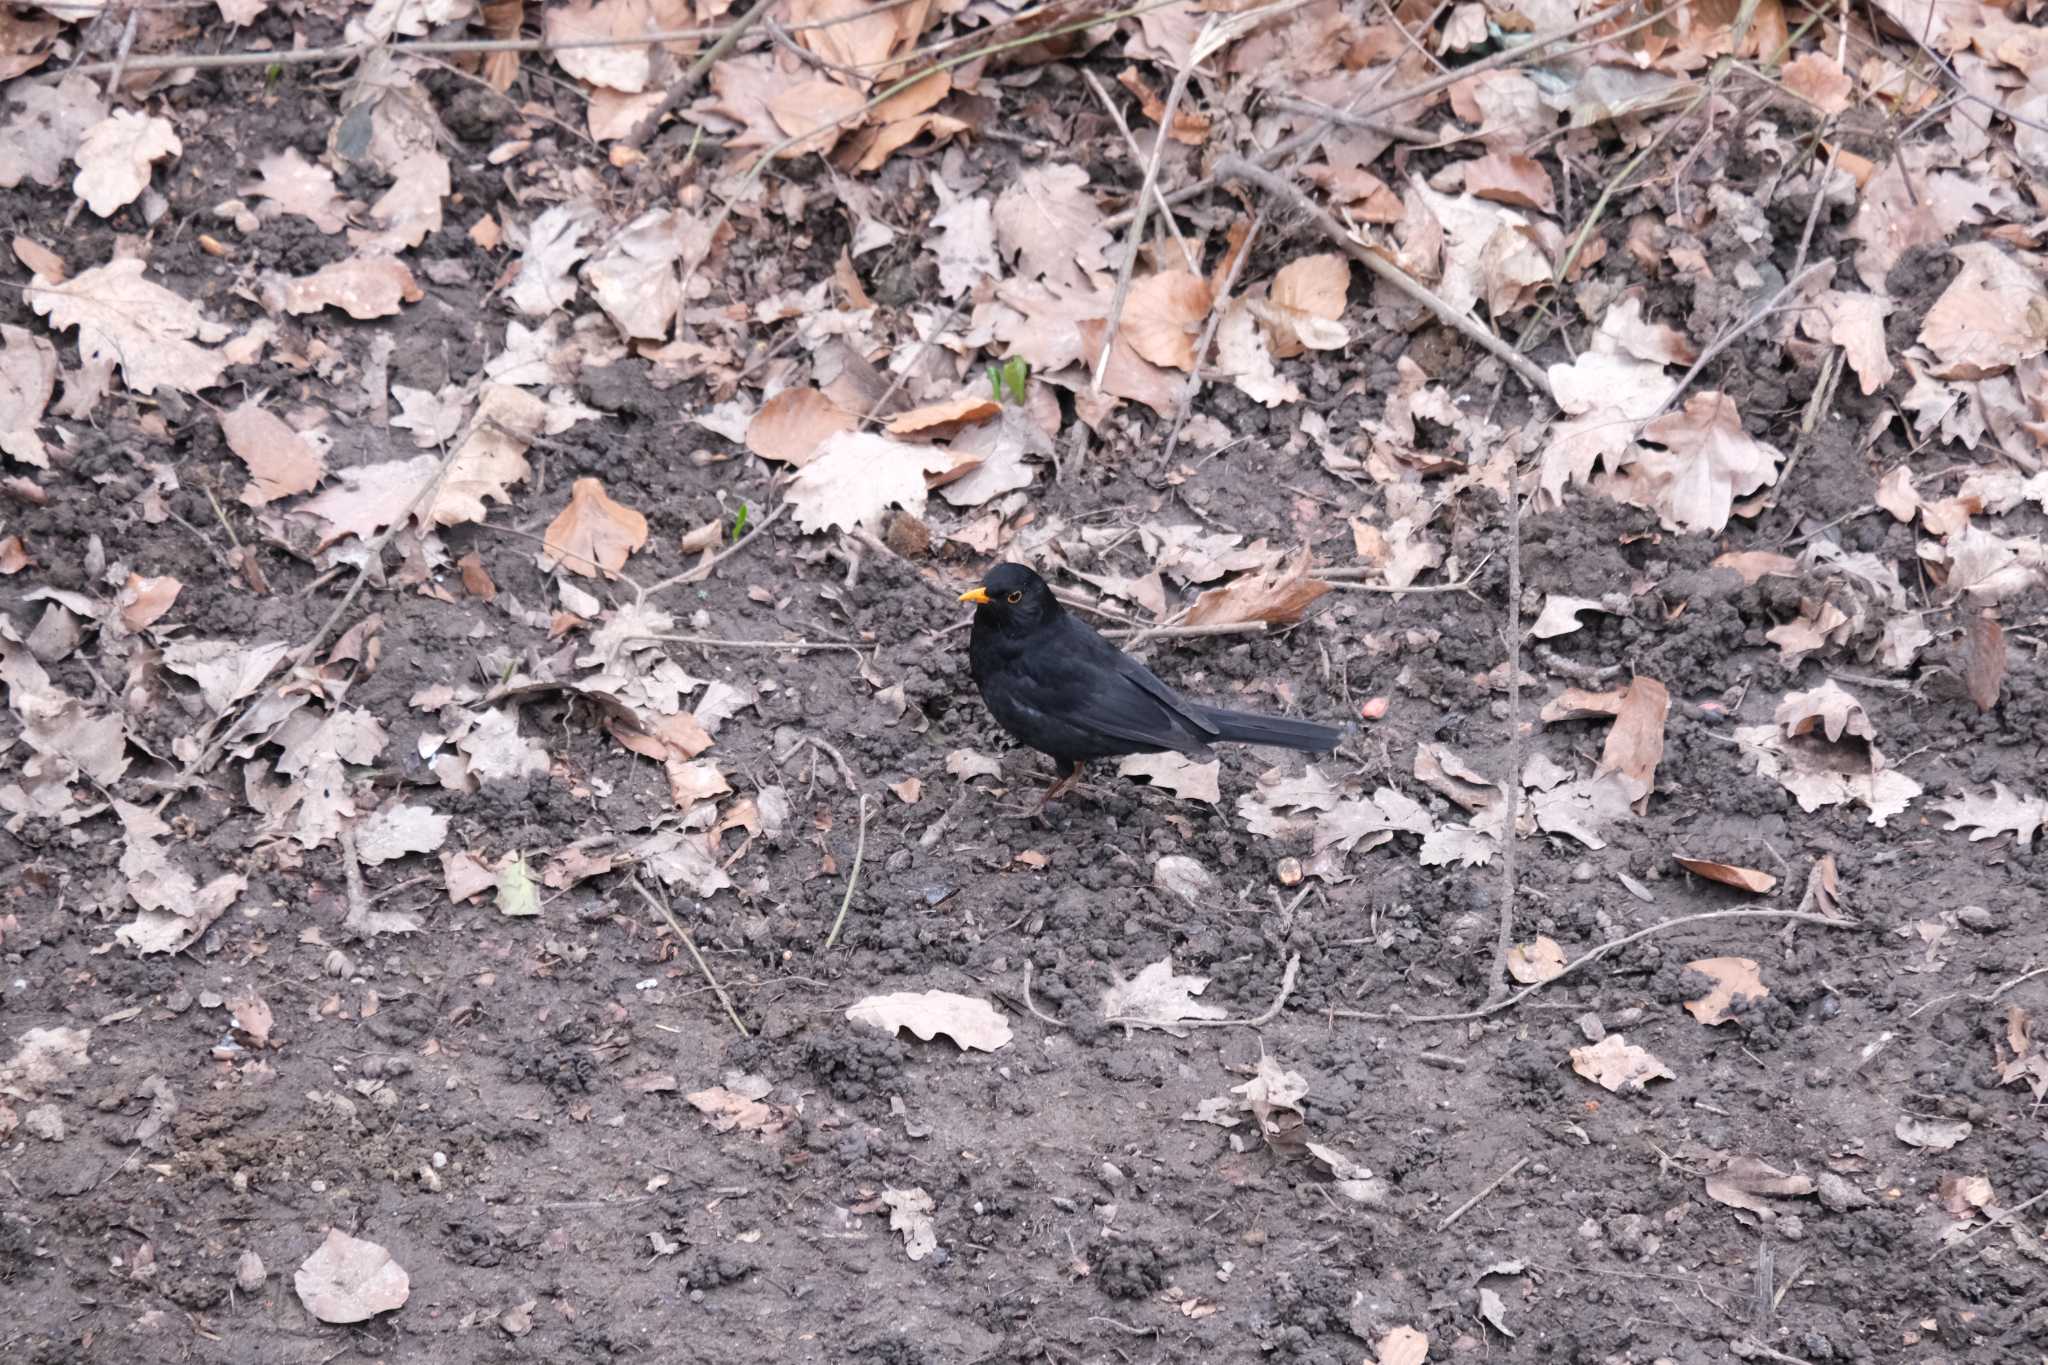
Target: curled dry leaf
{"x": 1747, "y": 1183}
{"x": 593, "y": 534}
{"x": 350, "y": 1280}
{"x": 1540, "y": 959}
{"x": 938, "y": 421}
{"x": 1635, "y": 743}
{"x": 969, "y": 1022}
{"x": 1278, "y": 596}
{"x": 1992, "y": 316}
{"x": 1738, "y": 984}
{"x": 1164, "y": 315}
{"x": 1616, "y": 1064}
{"x": 1728, "y": 874}
{"x": 1305, "y": 303}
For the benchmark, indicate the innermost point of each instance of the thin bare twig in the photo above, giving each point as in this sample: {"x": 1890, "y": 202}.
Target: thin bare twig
{"x": 778, "y": 646}
{"x": 1504, "y": 940}
{"x": 703, "y": 571}
{"x": 661, "y": 907}
{"x": 1491, "y": 1185}
{"x": 2003, "y": 1217}
{"x": 1131, "y": 141}
{"x": 1344, "y": 118}
{"x": 1035, "y": 1011}
{"x": 1238, "y": 168}
{"x": 1592, "y": 955}
{"x": 846, "y": 773}
{"x": 860, "y": 849}
{"x": 1729, "y": 337}
{"x": 1145, "y": 193}
{"x": 1286, "y": 989}
{"x": 1142, "y": 633}
{"x": 924, "y": 345}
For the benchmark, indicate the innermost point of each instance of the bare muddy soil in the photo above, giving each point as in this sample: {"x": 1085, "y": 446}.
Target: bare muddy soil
{"x": 500, "y": 1102}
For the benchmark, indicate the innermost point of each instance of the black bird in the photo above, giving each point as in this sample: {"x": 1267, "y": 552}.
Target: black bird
{"x": 1070, "y": 694}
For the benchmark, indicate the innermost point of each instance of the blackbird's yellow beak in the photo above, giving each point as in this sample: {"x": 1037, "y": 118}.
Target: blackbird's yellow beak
{"x": 976, "y": 594}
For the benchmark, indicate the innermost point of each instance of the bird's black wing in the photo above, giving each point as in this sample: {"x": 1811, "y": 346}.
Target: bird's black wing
{"x": 1100, "y": 688}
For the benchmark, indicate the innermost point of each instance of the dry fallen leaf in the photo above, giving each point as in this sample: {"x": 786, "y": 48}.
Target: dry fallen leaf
{"x": 1935, "y": 1135}
{"x": 126, "y": 320}
{"x": 2003, "y": 811}
{"x": 1540, "y": 959}
{"x": 114, "y": 159}
{"x": 1741, "y": 878}
{"x": 1737, "y": 985}
{"x": 859, "y": 475}
{"x": 1747, "y": 1183}
{"x": 1984, "y": 658}
{"x": 282, "y": 463}
{"x": 937, "y": 421}
{"x": 1614, "y": 1063}
{"x": 1156, "y": 998}
{"x": 1635, "y": 743}
{"x": 910, "y": 1213}
{"x": 1402, "y": 1346}
{"x": 1277, "y": 596}
{"x": 350, "y": 1280}
{"x": 592, "y": 534}
{"x": 1992, "y": 316}
{"x": 969, "y": 1022}
{"x": 793, "y": 424}
{"x": 362, "y": 287}
{"x": 1187, "y": 779}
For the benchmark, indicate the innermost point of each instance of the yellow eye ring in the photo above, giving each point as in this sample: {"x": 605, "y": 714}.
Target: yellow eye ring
{"x": 1015, "y": 597}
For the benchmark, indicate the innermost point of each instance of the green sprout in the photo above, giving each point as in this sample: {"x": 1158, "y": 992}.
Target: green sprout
{"x": 739, "y": 523}
{"x": 1015, "y": 374}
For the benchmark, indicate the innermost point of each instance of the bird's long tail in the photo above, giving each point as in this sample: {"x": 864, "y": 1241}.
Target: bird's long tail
{"x": 1243, "y": 727}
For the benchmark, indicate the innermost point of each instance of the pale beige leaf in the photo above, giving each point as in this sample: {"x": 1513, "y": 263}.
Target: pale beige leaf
{"x": 1935, "y": 1135}
{"x": 817, "y": 112}
{"x": 350, "y": 1280}
{"x": 1277, "y": 596}
{"x": 1616, "y": 1064}
{"x": 1747, "y": 1183}
{"x": 28, "y": 376}
{"x": 1540, "y": 959}
{"x": 1511, "y": 178}
{"x": 1737, "y": 985}
{"x": 857, "y": 476}
{"x": 291, "y": 184}
{"x": 1816, "y": 78}
{"x": 1157, "y": 999}
{"x": 53, "y": 117}
{"x": 408, "y": 212}
{"x": 1048, "y": 223}
{"x": 362, "y": 287}
{"x": 281, "y": 462}
{"x": 1187, "y": 779}
{"x": 1707, "y": 462}
{"x": 115, "y": 156}
{"x": 1856, "y": 324}
{"x": 363, "y": 500}
{"x": 1243, "y": 354}
{"x": 1992, "y": 316}
{"x": 1635, "y": 743}
{"x": 969, "y": 1022}
{"x": 2001, "y": 812}
{"x": 1756, "y": 565}
{"x": 123, "y": 319}
{"x": 1625, "y": 331}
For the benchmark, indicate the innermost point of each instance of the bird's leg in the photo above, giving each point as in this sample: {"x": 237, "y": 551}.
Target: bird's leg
{"x": 1067, "y": 782}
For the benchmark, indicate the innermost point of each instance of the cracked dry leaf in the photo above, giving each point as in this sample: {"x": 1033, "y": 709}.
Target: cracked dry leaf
{"x": 410, "y": 211}
{"x": 364, "y": 287}
{"x": 1048, "y": 223}
{"x": 1934, "y": 1135}
{"x": 1274, "y": 1097}
{"x": 399, "y": 829}
{"x": 115, "y": 157}
{"x": 282, "y": 463}
{"x": 1827, "y": 708}
{"x": 1157, "y": 999}
{"x": 41, "y": 137}
{"x": 963, "y": 240}
{"x": 740, "y": 1104}
{"x": 1819, "y": 772}
{"x": 1187, "y": 779}
{"x": 1538, "y": 960}
{"x": 1372, "y": 822}
{"x": 1738, "y": 984}
{"x": 910, "y": 1213}
{"x": 1005, "y": 449}
{"x": 123, "y": 319}
{"x": 1243, "y": 354}
{"x": 2003, "y": 811}
{"x": 1583, "y": 809}
{"x": 857, "y": 476}
{"x": 1992, "y": 316}
{"x": 1616, "y": 1064}
{"x": 634, "y": 278}
{"x": 593, "y": 535}
{"x": 969, "y": 1022}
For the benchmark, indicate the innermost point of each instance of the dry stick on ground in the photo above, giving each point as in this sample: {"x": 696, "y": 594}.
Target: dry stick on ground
{"x": 1491, "y": 1185}
{"x": 917, "y": 357}
{"x": 358, "y": 921}
{"x": 2003, "y": 1217}
{"x": 1238, "y": 168}
{"x": 1529, "y": 52}
{"x": 778, "y": 646}
{"x": 1329, "y": 113}
{"x": 1504, "y": 941}
{"x": 661, "y": 907}
{"x": 703, "y": 571}
{"x": 1139, "y": 634}
{"x": 860, "y": 849}
{"x": 1487, "y": 1011}
{"x": 694, "y": 72}
{"x": 1123, "y": 126}
{"x": 1144, "y": 206}
{"x": 1217, "y": 307}
{"x": 214, "y": 61}
{"x": 1286, "y": 989}
{"x": 1036, "y": 1012}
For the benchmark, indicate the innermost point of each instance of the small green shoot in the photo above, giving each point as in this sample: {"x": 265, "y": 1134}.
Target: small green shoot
{"x": 739, "y": 523}
{"x": 1013, "y": 374}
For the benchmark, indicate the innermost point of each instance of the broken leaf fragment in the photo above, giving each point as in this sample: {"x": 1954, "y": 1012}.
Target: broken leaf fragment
{"x": 1616, "y": 1064}
{"x": 518, "y": 893}
{"x": 1538, "y": 960}
{"x": 1157, "y": 999}
{"x": 350, "y": 1280}
{"x": 1728, "y": 874}
{"x": 1738, "y": 984}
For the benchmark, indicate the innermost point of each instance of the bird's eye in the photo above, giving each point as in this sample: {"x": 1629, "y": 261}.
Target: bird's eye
{"x": 1015, "y": 597}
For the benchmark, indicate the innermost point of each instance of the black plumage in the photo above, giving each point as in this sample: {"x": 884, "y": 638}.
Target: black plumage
{"x": 1059, "y": 687}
